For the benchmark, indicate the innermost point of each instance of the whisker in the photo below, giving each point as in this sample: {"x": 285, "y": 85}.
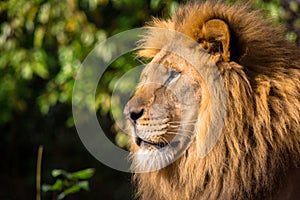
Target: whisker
{"x": 141, "y": 61}
{"x": 165, "y": 140}
{"x": 176, "y": 133}
{"x": 170, "y": 133}
{"x": 183, "y": 130}
{"x": 181, "y": 134}
{"x": 176, "y": 126}
{"x": 182, "y": 122}
{"x": 184, "y": 133}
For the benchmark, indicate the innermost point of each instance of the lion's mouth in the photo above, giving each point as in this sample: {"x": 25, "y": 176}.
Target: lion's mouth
{"x": 146, "y": 144}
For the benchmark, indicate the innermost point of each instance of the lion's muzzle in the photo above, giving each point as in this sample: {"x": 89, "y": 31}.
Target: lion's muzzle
{"x": 150, "y": 117}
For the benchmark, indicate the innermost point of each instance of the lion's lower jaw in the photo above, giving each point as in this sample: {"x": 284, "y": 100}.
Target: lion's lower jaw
{"x": 152, "y": 160}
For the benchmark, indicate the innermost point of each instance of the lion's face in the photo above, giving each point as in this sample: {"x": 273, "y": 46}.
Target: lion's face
{"x": 163, "y": 111}
{"x": 172, "y": 103}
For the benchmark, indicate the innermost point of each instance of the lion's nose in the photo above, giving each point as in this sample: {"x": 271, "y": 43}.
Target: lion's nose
{"x": 134, "y": 109}
{"x": 136, "y": 114}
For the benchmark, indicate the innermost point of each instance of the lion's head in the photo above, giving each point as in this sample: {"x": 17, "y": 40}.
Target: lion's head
{"x": 161, "y": 115}
{"x": 216, "y": 113}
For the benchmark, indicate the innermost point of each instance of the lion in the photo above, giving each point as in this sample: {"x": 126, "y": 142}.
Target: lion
{"x": 244, "y": 66}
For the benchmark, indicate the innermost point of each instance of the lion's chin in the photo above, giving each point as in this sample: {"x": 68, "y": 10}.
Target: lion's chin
{"x": 152, "y": 158}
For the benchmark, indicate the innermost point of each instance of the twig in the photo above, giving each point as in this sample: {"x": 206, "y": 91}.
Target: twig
{"x": 38, "y": 172}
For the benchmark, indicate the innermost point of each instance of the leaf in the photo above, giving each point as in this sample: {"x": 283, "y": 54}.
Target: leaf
{"x": 46, "y": 187}
{"x": 84, "y": 185}
{"x": 71, "y": 190}
{"x": 40, "y": 67}
{"x": 154, "y": 4}
{"x": 58, "y": 172}
{"x": 61, "y": 196}
{"x": 84, "y": 174}
{"x": 44, "y": 13}
{"x": 38, "y": 37}
{"x": 26, "y": 71}
{"x": 122, "y": 139}
{"x": 58, "y": 185}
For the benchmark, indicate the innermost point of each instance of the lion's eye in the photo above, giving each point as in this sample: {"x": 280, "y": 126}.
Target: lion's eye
{"x": 174, "y": 76}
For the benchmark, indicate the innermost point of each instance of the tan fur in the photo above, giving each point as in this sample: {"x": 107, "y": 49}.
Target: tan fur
{"x": 261, "y": 136}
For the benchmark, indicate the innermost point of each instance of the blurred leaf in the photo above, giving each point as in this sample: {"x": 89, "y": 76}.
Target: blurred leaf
{"x": 57, "y": 186}
{"x": 69, "y": 183}
{"x": 294, "y": 6}
{"x": 71, "y": 190}
{"x": 26, "y": 71}
{"x": 83, "y": 174}
{"x": 46, "y": 187}
{"x": 173, "y": 7}
{"x": 38, "y": 37}
{"x": 61, "y": 196}
{"x": 154, "y": 4}
{"x": 59, "y": 172}
{"x": 44, "y": 13}
{"x": 40, "y": 69}
{"x": 84, "y": 185}
{"x": 122, "y": 139}
{"x": 291, "y": 36}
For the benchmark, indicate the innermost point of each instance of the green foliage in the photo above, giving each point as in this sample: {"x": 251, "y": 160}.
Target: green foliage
{"x": 41, "y": 43}
{"x": 69, "y": 183}
{"x": 282, "y": 12}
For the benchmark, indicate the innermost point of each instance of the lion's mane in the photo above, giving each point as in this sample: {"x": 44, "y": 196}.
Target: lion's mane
{"x": 260, "y": 142}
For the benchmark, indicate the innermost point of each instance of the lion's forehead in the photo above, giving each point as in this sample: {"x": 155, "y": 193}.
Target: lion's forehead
{"x": 169, "y": 60}
{"x": 186, "y": 65}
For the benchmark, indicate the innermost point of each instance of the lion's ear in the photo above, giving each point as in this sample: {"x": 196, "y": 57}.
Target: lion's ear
{"x": 215, "y": 38}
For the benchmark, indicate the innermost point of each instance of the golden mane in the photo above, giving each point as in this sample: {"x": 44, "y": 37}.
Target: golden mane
{"x": 260, "y": 142}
